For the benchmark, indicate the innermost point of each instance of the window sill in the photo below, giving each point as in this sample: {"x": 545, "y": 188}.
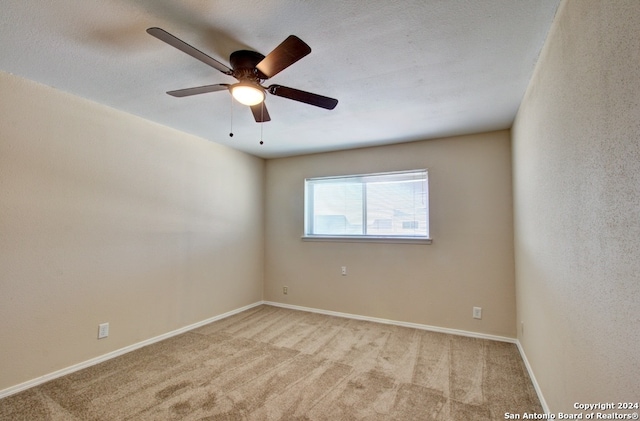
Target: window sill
{"x": 367, "y": 239}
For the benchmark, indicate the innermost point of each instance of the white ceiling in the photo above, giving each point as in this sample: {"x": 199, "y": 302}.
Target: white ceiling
{"x": 402, "y": 70}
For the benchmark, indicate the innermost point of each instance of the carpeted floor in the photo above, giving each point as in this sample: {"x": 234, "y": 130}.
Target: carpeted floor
{"x": 270, "y": 363}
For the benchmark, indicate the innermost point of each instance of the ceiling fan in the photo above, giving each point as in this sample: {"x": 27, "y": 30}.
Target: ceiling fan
{"x": 251, "y": 68}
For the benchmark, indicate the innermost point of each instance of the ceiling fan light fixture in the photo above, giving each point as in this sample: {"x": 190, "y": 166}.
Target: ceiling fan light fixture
{"x": 248, "y": 93}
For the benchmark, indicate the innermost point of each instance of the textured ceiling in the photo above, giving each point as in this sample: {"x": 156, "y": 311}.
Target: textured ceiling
{"x": 402, "y": 71}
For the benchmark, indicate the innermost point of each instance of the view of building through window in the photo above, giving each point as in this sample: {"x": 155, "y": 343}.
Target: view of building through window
{"x": 384, "y": 204}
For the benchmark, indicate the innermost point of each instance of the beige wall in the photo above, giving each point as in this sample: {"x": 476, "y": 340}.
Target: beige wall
{"x": 577, "y": 207}
{"x": 470, "y": 262}
{"x": 105, "y": 217}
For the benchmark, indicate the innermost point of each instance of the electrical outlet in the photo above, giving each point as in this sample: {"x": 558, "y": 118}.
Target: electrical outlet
{"x": 103, "y": 330}
{"x": 344, "y": 271}
{"x": 477, "y": 312}
{"x": 285, "y": 290}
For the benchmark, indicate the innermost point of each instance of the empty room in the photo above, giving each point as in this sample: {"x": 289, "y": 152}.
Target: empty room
{"x": 305, "y": 210}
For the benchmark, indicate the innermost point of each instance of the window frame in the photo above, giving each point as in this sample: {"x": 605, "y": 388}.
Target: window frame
{"x": 363, "y": 179}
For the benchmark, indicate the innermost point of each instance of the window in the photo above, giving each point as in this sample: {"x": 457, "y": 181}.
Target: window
{"x": 383, "y": 206}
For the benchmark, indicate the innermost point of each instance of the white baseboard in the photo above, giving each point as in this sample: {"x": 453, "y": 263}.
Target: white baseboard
{"x": 545, "y": 407}
{"x": 76, "y": 367}
{"x": 397, "y": 323}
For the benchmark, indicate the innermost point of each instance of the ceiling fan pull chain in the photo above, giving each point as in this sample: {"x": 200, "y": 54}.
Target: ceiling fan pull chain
{"x": 231, "y": 123}
{"x": 262, "y": 124}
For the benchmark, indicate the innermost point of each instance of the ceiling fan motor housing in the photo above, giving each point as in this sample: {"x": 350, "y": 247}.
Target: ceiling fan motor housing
{"x": 243, "y": 63}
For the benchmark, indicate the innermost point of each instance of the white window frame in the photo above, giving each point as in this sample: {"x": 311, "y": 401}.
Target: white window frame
{"x": 364, "y": 179}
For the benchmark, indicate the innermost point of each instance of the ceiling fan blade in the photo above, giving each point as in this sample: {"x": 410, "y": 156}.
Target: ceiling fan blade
{"x": 284, "y": 55}
{"x": 302, "y": 96}
{"x": 260, "y": 113}
{"x": 163, "y": 35}
{"x": 198, "y": 90}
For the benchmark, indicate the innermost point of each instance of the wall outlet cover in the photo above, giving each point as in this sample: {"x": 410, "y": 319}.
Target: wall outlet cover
{"x": 103, "y": 330}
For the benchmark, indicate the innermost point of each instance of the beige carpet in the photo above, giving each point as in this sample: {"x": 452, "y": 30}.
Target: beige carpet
{"x": 270, "y": 363}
